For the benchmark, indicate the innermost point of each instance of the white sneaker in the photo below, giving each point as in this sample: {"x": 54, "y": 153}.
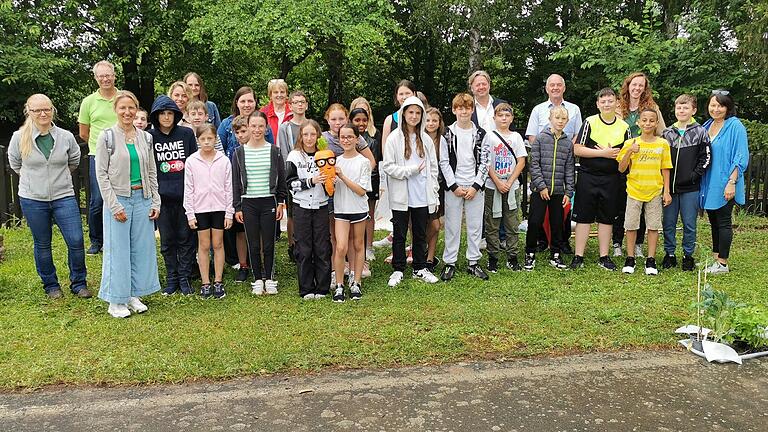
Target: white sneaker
{"x": 369, "y": 255}
{"x": 425, "y": 275}
{"x": 617, "y": 251}
{"x": 333, "y": 279}
{"x": 309, "y": 297}
{"x": 118, "y": 310}
{"x": 395, "y": 278}
{"x": 385, "y": 242}
{"x": 271, "y": 286}
{"x": 717, "y": 268}
{"x": 639, "y": 251}
{"x": 483, "y": 244}
{"x": 366, "y": 270}
{"x": 136, "y": 305}
{"x": 257, "y": 288}
{"x": 319, "y": 296}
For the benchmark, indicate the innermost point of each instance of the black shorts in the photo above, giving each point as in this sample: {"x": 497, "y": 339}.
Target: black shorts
{"x": 375, "y": 185}
{"x": 352, "y": 218}
{"x": 440, "y": 212}
{"x": 210, "y": 220}
{"x": 596, "y": 197}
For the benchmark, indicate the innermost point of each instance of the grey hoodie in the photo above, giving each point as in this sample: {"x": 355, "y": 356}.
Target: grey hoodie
{"x": 552, "y": 164}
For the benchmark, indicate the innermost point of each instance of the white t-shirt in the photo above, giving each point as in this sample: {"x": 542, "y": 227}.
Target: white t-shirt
{"x": 417, "y": 183}
{"x": 501, "y": 160}
{"x": 357, "y": 169}
{"x": 465, "y": 157}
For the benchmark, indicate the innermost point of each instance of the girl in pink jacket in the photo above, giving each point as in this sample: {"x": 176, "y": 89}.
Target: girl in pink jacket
{"x": 208, "y": 205}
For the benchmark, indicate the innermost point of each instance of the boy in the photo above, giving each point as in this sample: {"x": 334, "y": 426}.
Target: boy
{"x": 690, "y": 150}
{"x": 552, "y": 178}
{"x": 597, "y": 145}
{"x": 648, "y": 161}
{"x": 464, "y": 164}
{"x": 287, "y": 134}
{"x": 506, "y": 161}
{"x": 197, "y": 112}
{"x": 172, "y": 145}
{"x": 236, "y": 235}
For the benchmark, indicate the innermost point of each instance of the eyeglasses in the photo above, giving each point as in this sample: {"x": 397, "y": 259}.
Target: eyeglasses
{"x": 101, "y": 77}
{"x": 299, "y": 102}
{"x": 720, "y": 92}
{"x": 347, "y": 137}
{"x": 321, "y": 162}
{"x": 41, "y": 110}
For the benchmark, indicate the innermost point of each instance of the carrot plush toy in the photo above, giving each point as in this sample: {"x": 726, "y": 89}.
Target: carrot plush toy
{"x": 326, "y": 163}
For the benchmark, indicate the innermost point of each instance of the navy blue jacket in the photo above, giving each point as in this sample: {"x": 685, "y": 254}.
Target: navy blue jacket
{"x": 171, "y": 150}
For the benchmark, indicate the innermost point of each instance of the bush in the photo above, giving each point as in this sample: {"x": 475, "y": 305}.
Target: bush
{"x": 757, "y": 134}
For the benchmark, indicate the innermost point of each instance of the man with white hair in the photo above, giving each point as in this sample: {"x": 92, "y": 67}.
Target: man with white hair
{"x": 96, "y": 114}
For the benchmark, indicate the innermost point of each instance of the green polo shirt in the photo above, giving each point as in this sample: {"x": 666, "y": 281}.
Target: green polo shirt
{"x": 99, "y": 114}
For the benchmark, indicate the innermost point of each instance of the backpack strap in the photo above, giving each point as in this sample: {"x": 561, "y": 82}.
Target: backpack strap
{"x": 110, "y": 140}
{"x": 506, "y": 144}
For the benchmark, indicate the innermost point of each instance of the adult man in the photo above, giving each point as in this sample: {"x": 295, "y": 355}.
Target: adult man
{"x": 479, "y": 83}
{"x": 96, "y": 114}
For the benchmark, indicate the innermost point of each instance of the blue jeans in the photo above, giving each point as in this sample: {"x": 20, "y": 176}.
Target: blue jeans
{"x": 95, "y": 206}
{"x": 65, "y": 212}
{"x": 686, "y": 205}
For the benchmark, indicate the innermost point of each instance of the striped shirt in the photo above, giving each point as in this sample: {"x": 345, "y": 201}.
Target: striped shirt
{"x": 257, "y": 165}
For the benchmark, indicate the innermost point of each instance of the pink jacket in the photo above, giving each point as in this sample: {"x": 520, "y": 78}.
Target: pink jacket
{"x": 208, "y": 185}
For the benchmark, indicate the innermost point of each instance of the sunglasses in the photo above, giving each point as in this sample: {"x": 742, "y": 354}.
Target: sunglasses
{"x": 321, "y": 162}
{"x": 720, "y": 92}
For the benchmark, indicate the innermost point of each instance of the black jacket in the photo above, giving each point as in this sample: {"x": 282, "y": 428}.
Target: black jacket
{"x": 170, "y": 151}
{"x": 277, "y": 184}
{"x": 691, "y": 156}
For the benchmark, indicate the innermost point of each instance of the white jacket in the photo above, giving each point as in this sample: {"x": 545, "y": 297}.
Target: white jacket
{"x": 394, "y": 164}
{"x": 300, "y": 171}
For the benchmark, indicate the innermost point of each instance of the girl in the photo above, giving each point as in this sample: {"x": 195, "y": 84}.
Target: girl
{"x": 208, "y": 205}
{"x": 411, "y": 167}
{"x": 353, "y": 180}
{"x": 435, "y": 128}
{"x": 365, "y": 124}
{"x": 259, "y": 191}
{"x": 310, "y": 207}
{"x": 180, "y": 93}
{"x": 199, "y": 92}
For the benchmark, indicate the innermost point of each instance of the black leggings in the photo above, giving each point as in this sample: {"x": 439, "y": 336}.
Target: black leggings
{"x": 722, "y": 229}
{"x": 259, "y": 220}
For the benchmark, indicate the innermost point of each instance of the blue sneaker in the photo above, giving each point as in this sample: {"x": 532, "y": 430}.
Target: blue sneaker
{"x": 170, "y": 290}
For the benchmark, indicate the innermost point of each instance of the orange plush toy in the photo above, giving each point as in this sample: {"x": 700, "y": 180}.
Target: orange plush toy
{"x": 326, "y": 163}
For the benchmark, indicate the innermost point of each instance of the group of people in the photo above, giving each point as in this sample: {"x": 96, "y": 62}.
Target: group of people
{"x": 216, "y": 190}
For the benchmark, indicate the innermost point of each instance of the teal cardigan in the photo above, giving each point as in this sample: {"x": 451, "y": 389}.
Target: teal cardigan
{"x": 729, "y": 151}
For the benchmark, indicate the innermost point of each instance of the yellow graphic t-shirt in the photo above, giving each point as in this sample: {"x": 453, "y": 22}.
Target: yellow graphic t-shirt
{"x": 644, "y": 180}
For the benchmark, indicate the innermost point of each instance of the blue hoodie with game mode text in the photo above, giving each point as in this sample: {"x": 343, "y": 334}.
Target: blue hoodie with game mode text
{"x": 171, "y": 150}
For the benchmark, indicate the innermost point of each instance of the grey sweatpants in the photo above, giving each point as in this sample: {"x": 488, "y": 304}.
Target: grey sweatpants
{"x": 472, "y": 210}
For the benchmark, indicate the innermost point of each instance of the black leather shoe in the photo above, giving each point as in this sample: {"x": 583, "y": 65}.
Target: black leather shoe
{"x": 477, "y": 271}
{"x": 448, "y": 271}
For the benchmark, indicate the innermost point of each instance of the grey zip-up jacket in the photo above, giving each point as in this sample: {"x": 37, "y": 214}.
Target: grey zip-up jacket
{"x": 44, "y": 179}
{"x": 552, "y": 164}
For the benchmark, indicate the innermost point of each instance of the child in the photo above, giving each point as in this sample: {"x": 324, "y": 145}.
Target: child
{"x": 505, "y": 163}
{"x": 208, "y": 204}
{"x": 141, "y": 121}
{"x": 552, "y": 181}
{"x": 259, "y": 190}
{"x": 287, "y": 135}
{"x": 237, "y": 234}
{"x": 310, "y": 202}
{"x": 435, "y": 128}
{"x": 648, "y": 160}
{"x": 690, "y": 151}
{"x": 197, "y": 112}
{"x": 353, "y": 180}
{"x": 172, "y": 145}
{"x": 464, "y": 164}
{"x": 411, "y": 168}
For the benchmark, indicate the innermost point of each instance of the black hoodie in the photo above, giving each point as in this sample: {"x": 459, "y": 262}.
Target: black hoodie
{"x": 171, "y": 151}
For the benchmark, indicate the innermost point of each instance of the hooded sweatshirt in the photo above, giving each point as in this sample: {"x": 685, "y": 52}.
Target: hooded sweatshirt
{"x": 399, "y": 171}
{"x": 171, "y": 150}
{"x": 208, "y": 185}
{"x": 691, "y": 157}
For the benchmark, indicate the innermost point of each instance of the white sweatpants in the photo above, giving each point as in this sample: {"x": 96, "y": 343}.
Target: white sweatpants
{"x": 473, "y": 212}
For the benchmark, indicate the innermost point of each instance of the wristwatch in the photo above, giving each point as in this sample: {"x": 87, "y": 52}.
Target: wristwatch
{"x": 731, "y": 181}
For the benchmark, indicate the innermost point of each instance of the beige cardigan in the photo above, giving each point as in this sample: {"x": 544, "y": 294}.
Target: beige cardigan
{"x": 114, "y": 171}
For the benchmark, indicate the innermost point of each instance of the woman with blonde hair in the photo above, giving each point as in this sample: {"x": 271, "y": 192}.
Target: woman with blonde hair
{"x": 44, "y": 155}
{"x": 181, "y": 94}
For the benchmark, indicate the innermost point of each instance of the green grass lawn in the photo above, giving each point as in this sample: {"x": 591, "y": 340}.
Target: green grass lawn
{"x": 546, "y": 312}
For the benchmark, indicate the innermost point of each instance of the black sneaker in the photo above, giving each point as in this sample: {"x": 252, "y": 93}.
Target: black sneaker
{"x": 477, "y": 271}
{"x": 650, "y": 267}
{"x": 448, "y": 271}
{"x": 185, "y": 287}
{"x": 291, "y": 254}
{"x": 512, "y": 263}
{"x": 338, "y": 294}
{"x": 669, "y": 262}
{"x": 206, "y": 291}
{"x": 218, "y": 290}
{"x": 629, "y": 265}
{"x": 607, "y": 263}
{"x": 556, "y": 261}
{"x": 242, "y": 275}
{"x": 577, "y": 262}
{"x": 688, "y": 263}
{"x": 530, "y": 262}
{"x": 93, "y": 250}
{"x": 355, "y": 293}
{"x": 169, "y": 290}
{"x": 493, "y": 264}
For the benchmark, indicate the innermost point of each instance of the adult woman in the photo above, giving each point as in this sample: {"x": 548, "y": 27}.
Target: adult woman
{"x": 277, "y": 110}
{"x": 723, "y": 183}
{"x": 196, "y": 85}
{"x": 180, "y": 93}
{"x": 125, "y": 167}
{"x": 43, "y": 155}
{"x": 244, "y": 103}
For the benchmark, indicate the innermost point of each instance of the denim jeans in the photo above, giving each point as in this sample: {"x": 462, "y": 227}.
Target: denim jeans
{"x": 95, "y": 207}
{"x": 687, "y": 206}
{"x": 65, "y": 212}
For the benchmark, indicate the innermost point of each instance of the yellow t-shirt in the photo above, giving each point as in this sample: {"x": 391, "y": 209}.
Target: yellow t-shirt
{"x": 644, "y": 180}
